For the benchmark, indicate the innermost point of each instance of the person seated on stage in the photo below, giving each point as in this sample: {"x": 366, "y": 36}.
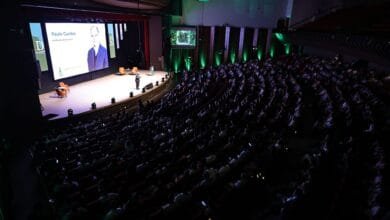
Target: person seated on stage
{"x": 62, "y": 89}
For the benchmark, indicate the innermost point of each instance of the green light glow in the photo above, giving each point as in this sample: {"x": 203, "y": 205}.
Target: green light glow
{"x": 272, "y": 51}
{"x": 280, "y": 37}
{"x": 259, "y": 54}
{"x": 176, "y": 61}
{"x": 245, "y": 55}
{"x": 176, "y": 66}
{"x": 287, "y": 49}
{"x": 202, "y": 59}
{"x": 218, "y": 58}
{"x": 232, "y": 56}
{"x": 188, "y": 62}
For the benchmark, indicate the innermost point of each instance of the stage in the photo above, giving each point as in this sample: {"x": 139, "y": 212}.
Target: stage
{"x": 100, "y": 91}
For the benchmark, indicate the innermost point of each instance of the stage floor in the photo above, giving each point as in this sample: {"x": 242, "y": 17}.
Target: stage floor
{"x": 100, "y": 91}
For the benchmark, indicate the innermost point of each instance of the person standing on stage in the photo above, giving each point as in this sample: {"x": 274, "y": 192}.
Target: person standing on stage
{"x": 137, "y": 80}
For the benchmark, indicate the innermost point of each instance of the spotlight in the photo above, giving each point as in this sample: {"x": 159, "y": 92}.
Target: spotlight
{"x": 112, "y": 100}
{"x": 70, "y": 112}
{"x": 131, "y": 94}
{"x": 156, "y": 83}
{"x": 93, "y": 105}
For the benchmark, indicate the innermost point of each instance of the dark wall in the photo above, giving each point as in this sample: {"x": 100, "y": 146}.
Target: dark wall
{"x": 249, "y": 13}
{"x": 20, "y": 109}
{"x": 155, "y": 31}
{"x": 303, "y": 9}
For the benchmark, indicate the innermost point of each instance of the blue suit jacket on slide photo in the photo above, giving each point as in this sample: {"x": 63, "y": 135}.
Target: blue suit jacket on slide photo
{"x": 101, "y": 59}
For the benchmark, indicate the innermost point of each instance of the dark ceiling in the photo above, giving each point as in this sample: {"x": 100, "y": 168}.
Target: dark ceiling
{"x": 147, "y": 6}
{"x": 137, "y": 4}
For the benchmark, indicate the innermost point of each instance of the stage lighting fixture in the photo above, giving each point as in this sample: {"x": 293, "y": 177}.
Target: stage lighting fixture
{"x": 156, "y": 83}
{"x": 112, "y": 100}
{"x": 70, "y": 112}
{"x": 93, "y": 105}
{"x": 143, "y": 90}
{"x": 162, "y": 80}
{"x": 131, "y": 94}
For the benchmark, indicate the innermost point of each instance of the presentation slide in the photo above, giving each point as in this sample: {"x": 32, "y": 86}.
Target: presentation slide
{"x": 183, "y": 37}
{"x": 76, "y": 48}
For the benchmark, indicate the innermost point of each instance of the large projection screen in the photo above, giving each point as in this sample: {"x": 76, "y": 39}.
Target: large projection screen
{"x": 76, "y": 48}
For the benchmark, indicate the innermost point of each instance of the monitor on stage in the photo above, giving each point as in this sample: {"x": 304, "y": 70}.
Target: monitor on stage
{"x": 76, "y": 48}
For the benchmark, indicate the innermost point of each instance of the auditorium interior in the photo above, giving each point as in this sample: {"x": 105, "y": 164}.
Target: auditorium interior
{"x": 195, "y": 109}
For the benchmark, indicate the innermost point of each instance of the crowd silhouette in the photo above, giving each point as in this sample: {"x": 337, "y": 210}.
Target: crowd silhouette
{"x": 297, "y": 137}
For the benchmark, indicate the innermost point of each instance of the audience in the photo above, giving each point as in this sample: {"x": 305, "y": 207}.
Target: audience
{"x": 243, "y": 140}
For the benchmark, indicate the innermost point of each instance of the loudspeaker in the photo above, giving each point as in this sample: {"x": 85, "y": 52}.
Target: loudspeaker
{"x": 149, "y": 86}
{"x": 70, "y": 112}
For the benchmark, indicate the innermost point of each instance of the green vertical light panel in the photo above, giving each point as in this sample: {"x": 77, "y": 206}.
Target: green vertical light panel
{"x": 280, "y": 37}
{"x": 202, "y": 58}
{"x": 287, "y": 48}
{"x": 259, "y": 54}
{"x": 187, "y": 60}
{"x": 176, "y": 59}
{"x": 188, "y": 63}
{"x": 272, "y": 51}
{"x": 218, "y": 58}
{"x": 176, "y": 64}
{"x": 245, "y": 55}
{"x": 232, "y": 56}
